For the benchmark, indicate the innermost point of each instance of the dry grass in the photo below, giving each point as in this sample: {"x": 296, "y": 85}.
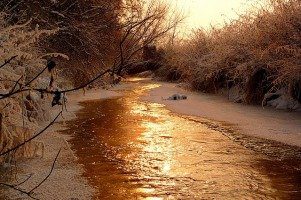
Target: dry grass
{"x": 260, "y": 52}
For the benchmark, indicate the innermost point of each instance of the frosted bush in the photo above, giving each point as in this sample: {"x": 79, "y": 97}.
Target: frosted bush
{"x": 266, "y": 39}
{"x": 23, "y": 112}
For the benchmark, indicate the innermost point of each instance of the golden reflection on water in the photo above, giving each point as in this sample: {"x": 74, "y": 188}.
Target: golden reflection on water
{"x": 138, "y": 150}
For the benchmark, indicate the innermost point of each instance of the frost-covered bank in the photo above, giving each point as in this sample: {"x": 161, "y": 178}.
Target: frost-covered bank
{"x": 255, "y": 59}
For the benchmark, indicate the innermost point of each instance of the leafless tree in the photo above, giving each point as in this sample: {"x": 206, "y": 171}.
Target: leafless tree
{"x": 139, "y": 25}
{"x": 143, "y": 25}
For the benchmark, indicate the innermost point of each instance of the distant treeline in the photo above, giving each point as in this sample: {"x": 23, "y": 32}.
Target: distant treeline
{"x": 257, "y": 55}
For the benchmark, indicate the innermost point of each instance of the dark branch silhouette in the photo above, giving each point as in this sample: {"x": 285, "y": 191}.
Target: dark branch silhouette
{"x": 3, "y": 96}
{"x": 30, "y": 192}
{"x": 7, "y": 61}
{"x": 48, "y": 175}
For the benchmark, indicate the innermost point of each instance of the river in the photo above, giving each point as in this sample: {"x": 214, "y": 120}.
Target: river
{"x": 132, "y": 149}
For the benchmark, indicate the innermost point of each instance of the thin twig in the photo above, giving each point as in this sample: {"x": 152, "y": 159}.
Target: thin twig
{"x": 29, "y": 193}
{"x": 18, "y": 189}
{"x": 18, "y": 184}
{"x": 88, "y": 83}
{"x": 3, "y": 96}
{"x": 50, "y": 172}
{"x": 6, "y": 105}
{"x": 16, "y": 83}
{"x": 8, "y": 61}
{"x": 33, "y": 137}
{"x": 34, "y": 78}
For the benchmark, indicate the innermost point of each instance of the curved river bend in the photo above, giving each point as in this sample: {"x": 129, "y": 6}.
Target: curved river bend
{"x": 132, "y": 149}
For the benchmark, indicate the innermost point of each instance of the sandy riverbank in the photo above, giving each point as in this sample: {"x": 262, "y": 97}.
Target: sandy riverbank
{"x": 268, "y": 123}
{"x": 66, "y": 181}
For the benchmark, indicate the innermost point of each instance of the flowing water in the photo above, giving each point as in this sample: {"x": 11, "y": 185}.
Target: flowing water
{"x": 131, "y": 149}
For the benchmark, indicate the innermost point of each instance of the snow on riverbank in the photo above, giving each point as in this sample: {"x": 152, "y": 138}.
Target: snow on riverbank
{"x": 281, "y": 126}
{"x": 66, "y": 181}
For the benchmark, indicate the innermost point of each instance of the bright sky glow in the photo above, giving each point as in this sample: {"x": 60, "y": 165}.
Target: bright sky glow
{"x": 204, "y": 13}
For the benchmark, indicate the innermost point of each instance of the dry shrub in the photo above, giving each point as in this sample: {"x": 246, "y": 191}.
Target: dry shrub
{"x": 22, "y": 113}
{"x": 88, "y": 31}
{"x": 268, "y": 39}
{"x": 175, "y": 63}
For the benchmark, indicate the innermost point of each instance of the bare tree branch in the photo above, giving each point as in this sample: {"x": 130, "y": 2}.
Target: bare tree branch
{"x": 16, "y": 83}
{"x": 30, "y": 192}
{"x": 8, "y": 61}
{"x": 3, "y": 96}
{"x": 143, "y": 27}
{"x": 17, "y": 189}
{"x": 50, "y": 172}
{"x": 25, "y": 180}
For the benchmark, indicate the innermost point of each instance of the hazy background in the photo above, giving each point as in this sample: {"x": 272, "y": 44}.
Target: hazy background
{"x": 204, "y": 13}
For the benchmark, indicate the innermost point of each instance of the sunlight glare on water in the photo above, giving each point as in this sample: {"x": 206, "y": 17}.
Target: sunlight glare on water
{"x": 140, "y": 150}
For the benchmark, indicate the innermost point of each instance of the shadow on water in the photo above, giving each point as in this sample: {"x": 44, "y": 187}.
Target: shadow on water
{"x": 138, "y": 150}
